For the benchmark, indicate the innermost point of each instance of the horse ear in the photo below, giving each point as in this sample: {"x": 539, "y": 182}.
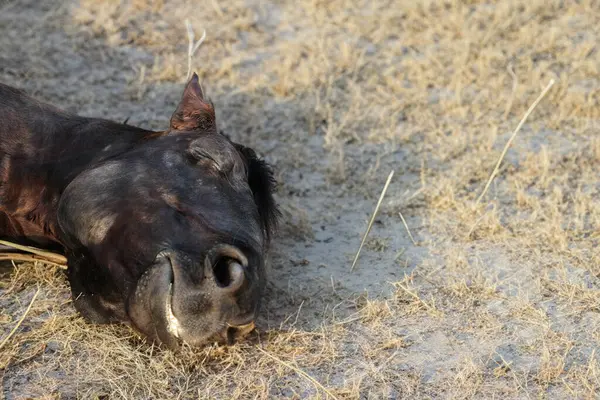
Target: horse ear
{"x": 193, "y": 112}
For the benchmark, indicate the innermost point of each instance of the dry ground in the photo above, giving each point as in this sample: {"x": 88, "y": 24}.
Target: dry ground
{"x": 495, "y": 300}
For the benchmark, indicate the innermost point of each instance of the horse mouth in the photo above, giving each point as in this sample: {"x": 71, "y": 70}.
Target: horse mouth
{"x": 237, "y": 332}
{"x": 232, "y": 332}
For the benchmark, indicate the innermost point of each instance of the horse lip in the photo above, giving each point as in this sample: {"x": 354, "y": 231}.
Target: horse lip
{"x": 238, "y": 331}
{"x": 173, "y": 325}
{"x": 243, "y": 326}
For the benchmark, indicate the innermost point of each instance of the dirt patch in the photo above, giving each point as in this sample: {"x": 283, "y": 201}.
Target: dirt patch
{"x": 499, "y": 299}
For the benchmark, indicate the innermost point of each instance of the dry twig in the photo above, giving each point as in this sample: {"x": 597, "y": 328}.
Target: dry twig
{"x": 29, "y": 258}
{"x": 47, "y": 255}
{"x": 387, "y": 183}
{"x": 407, "y": 230}
{"x": 529, "y": 111}
{"x": 192, "y": 46}
{"x": 12, "y": 332}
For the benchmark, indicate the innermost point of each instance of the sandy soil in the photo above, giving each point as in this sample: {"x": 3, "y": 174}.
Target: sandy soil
{"x": 499, "y": 299}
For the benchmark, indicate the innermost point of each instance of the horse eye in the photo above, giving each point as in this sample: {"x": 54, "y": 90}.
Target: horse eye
{"x": 202, "y": 157}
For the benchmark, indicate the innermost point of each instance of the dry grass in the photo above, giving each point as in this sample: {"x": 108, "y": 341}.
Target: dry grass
{"x": 498, "y": 299}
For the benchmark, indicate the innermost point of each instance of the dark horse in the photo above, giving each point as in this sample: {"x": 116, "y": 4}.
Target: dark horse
{"x": 167, "y": 230}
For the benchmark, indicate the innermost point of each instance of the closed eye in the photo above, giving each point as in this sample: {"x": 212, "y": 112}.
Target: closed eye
{"x": 202, "y": 157}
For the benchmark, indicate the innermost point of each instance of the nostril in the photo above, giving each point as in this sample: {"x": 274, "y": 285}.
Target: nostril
{"x": 226, "y": 264}
{"x": 222, "y": 273}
